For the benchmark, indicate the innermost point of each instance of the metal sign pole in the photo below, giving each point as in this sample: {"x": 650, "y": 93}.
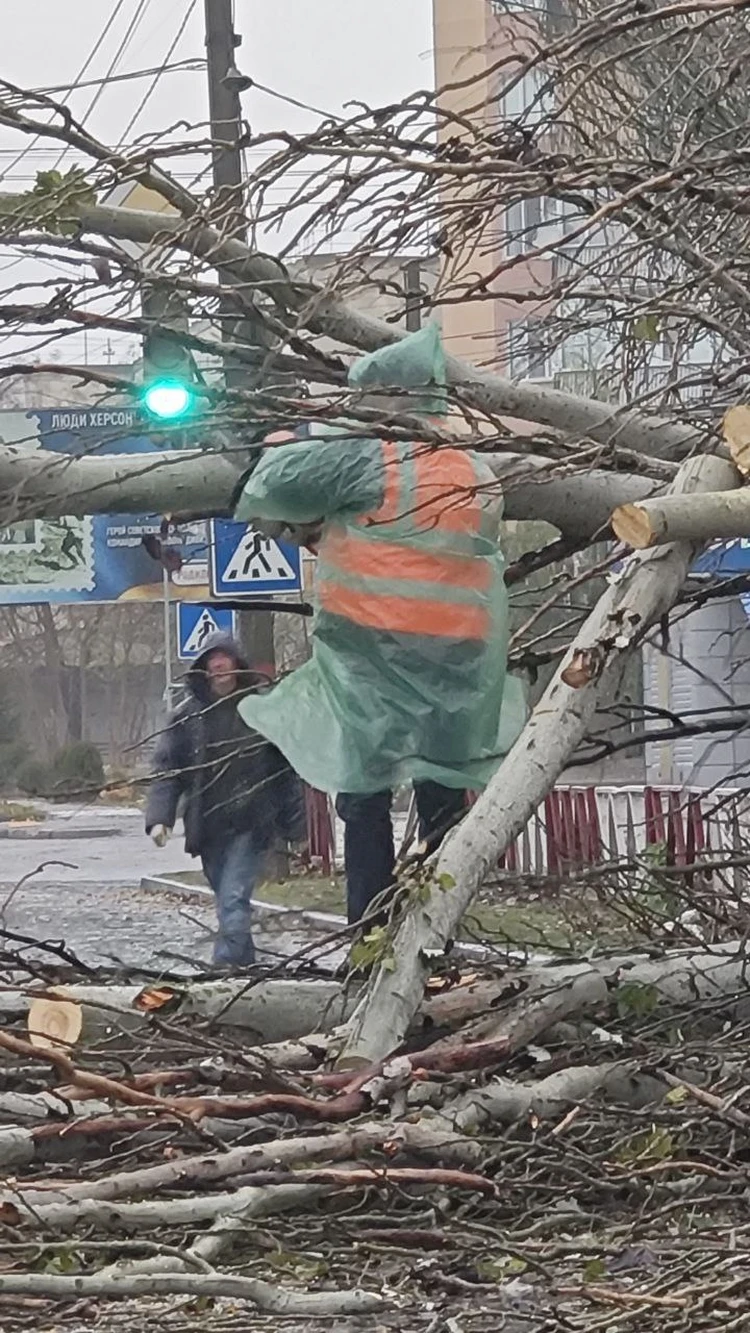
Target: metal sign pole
{"x": 167, "y": 641}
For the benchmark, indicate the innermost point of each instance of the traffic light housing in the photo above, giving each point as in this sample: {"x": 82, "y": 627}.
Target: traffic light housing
{"x": 169, "y": 374}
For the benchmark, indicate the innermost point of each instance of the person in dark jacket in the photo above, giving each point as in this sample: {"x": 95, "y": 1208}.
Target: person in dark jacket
{"x": 238, "y": 793}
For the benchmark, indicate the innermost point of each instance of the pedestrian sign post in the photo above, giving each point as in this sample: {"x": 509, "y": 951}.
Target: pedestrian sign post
{"x": 243, "y": 561}
{"x": 196, "y": 624}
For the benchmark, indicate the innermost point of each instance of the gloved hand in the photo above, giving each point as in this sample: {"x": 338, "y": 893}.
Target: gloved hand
{"x": 160, "y": 834}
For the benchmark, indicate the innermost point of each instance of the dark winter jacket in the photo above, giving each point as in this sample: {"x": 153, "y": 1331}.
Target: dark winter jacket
{"x": 223, "y": 777}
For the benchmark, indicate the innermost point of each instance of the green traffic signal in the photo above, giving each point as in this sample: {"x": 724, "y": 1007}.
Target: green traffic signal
{"x": 169, "y": 400}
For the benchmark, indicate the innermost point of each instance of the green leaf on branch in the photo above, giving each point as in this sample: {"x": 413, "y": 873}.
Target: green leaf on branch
{"x": 647, "y": 329}
{"x": 65, "y": 1261}
{"x": 636, "y": 999}
{"x": 374, "y": 947}
{"x": 653, "y": 1145}
{"x": 500, "y": 1268}
{"x": 53, "y": 203}
{"x": 305, "y": 1267}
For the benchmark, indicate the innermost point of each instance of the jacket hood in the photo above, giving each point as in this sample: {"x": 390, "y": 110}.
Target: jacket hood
{"x": 196, "y": 680}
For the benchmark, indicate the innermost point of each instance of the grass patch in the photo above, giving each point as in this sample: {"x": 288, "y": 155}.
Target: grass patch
{"x": 313, "y": 893}
{"x": 571, "y": 919}
{"x": 20, "y": 813}
{"x": 568, "y": 921}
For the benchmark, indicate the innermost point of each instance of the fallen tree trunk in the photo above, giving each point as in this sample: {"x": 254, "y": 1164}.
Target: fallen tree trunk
{"x": 251, "y": 1201}
{"x": 678, "y": 518}
{"x": 274, "y": 1010}
{"x": 35, "y": 482}
{"x": 40, "y": 482}
{"x": 205, "y": 1169}
{"x": 590, "y": 672}
{"x": 579, "y": 504}
{"x": 507, "y": 1102}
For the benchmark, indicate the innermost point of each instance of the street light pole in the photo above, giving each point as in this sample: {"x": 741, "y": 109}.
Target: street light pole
{"x": 224, "y": 86}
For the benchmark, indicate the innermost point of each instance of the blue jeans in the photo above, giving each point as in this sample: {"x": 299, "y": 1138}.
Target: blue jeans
{"x": 233, "y": 867}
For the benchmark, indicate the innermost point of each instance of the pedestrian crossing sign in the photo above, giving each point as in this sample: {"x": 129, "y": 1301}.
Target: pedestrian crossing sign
{"x": 196, "y": 625}
{"x": 243, "y": 561}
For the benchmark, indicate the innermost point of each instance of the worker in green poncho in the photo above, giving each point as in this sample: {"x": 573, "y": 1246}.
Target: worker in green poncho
{"x": 407, "y": 679}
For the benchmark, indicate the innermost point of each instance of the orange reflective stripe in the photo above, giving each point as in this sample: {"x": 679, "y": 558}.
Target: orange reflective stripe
{"x": 405, "y": 615}
{"x": 394, "y": 560}
{"x": 388, "y": 511}
{"x": 445, "y": 491}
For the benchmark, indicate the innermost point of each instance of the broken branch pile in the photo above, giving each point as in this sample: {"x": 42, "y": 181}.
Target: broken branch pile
{"x": 563, "y": 1140}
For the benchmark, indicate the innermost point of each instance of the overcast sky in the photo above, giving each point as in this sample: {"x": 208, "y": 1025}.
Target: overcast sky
{"x": 319, "y": 52}
{"x": 322, "y": 52}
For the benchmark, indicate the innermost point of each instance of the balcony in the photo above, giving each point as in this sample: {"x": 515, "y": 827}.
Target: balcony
{"x": 679, "y": 385}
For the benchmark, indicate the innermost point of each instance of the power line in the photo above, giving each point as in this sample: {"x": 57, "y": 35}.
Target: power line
{"x": 135, "y": 23}
{"x": 87, "y": 62}
{"x": 157, "y": 75}
{"x": 192, "y": 64}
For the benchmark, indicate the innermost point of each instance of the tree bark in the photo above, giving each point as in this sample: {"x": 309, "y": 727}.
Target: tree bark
{"x": 34, "y": 483}
{"x": 276, "y": 1010}
{"x": 263, "y": 1295}
{"x": 64, "y": 1208}
{"x": 678, "y": 518}
{"x": 647, "y": 588}
{"x": 576, "y": 503}
{"x": 506, "y": 1101}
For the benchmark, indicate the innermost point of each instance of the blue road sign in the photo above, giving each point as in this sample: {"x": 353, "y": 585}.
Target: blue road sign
{"x": 722, "y": 559}
{"x": 195, "y": 625}
{"x": 242, "y": 561}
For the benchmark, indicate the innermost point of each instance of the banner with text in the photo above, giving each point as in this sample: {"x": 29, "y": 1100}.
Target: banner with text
{"x": 102, "y": 558}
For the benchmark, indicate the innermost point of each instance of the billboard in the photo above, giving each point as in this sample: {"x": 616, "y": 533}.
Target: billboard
{"x": 101, "y": 558}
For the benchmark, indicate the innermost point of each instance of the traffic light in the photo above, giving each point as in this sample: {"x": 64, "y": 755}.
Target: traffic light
{"x": 169, "y": 399}
{"x": 169, "y": 393}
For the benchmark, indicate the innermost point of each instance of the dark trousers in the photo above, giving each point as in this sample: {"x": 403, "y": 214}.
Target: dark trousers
{"x": 369, "y": 855}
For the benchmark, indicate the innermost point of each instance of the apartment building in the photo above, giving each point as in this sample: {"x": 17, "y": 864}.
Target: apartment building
{"x": 707, "y": 663}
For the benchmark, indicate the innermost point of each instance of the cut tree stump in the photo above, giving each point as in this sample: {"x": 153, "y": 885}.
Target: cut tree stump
{"x": 736, "y": 431}
{"x": 678, "y": 518}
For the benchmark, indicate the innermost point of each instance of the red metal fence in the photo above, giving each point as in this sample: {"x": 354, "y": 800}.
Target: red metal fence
{"x": 579, "y": 827}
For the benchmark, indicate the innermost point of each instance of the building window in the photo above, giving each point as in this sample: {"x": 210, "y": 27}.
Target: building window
{"x": 531, "y": 355}
{"x": 528, "y": 100}
{"x": 550, "y": 13}
{"x": 532, "y": 222}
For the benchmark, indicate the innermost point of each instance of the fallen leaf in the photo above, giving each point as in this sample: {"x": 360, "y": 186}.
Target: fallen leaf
{"x": 594, "y": 1270}
{"x": 153, "y": 998}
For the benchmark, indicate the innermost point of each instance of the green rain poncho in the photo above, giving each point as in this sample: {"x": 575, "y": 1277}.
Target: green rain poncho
{"x": 407, "y": 679}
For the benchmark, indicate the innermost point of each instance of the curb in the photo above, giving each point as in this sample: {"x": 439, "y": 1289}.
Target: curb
{"x": 323, "y": 921}
{"x": 64, "y": 834}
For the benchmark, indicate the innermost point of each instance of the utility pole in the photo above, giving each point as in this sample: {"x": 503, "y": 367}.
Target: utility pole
{"x": 225, "y": 83}
{"x": 413, "y": 294}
